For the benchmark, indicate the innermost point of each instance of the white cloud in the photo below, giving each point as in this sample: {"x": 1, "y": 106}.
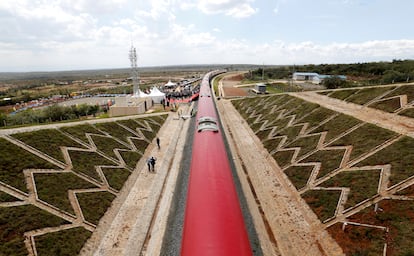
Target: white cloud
{"x": 48, "y": 35}
{"x": 233, "y": 8}
{"x": 278, "y": 5}
{"x": 241, "y": 11}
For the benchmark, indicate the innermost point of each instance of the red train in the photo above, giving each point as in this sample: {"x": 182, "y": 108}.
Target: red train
{"x": 213, "y": 223}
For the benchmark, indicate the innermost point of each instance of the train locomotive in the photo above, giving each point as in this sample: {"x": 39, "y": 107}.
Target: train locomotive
{"x": 213, "y": 222}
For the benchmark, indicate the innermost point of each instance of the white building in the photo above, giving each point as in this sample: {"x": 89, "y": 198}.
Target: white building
{"x": 319, "y": 79}
{"x": 304, "y": 76}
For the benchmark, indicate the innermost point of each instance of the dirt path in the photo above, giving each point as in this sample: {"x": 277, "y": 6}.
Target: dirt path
{"x": 393, "y": 122}
{"x": 227, "y": 85}
{"x": 126, "y": 232}
{"x": 295, "y": 228}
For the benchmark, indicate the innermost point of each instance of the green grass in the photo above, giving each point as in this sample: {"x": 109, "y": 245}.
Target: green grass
{"x": 13, "y": 160}
{"x": 94, "y": 205}
{"x": 64, "y": 242}
{"x": 404, "y": 90}
{"x": 363, "y": 96}
{"x": 131, "y": 158}
{"x": 115, "y": 130}
{"x": 283, "y": 158}
{"x": 364, "y": 139}
{"x": 263, "y": 134}
{"x": 290, "y": 132}
{"x": 116, "y": 177}
{"x": 216, "y": 81}
{"x": 271, "y": 144}
{"x": 342, "y": 94}
{"x": 299, "y": 175}
{"x": 271, "y": 116}
{"x": 48, "y": 141}
{"x": 154, "y": 122}
{"x": 337, "y": 126}
{"x": 107, "y": 145}
{"x": 149, "y": 135}
{"x": 85, "y": 162}
{"x": 79, "y": 131}
{"x": 363, "y": 185}
{"x": 283, "y": 87}
{"x": 131, "y": 124}
{"x": 4, "y": 198}
{"x": 306, "y": 144}
{"x": 400, "y": 155}
{"x": 409, "y": 112}
{"x": 301, "y": 107}
{"x": 15, "y": 221}
{"x": 316, "y": 117}
{"x": 389, "y": 105}
{"x": 141, "y": 145}
{"x": 322, "y": 202}
{"x": 280, "y": 123}
{"x": 53, "y": 188}
{"x": 329, "y": 159}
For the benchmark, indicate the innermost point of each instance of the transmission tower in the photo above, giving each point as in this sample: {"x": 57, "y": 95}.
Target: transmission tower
{"x": 134, "y": 71}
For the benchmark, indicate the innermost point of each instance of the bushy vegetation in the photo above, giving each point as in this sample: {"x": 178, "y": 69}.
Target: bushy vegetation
{"x": 330, "y": 160}
{"x": 337, "y": 126}
{"x": 85, "y": 162}
{"x": 79, "y": 131}
{"x": 7, "y": 198}
{"x": 53, "y": 188}
{"x": 363, "y": 184}
{"x": 48, "y": 141}
{"x": 52, "y": 113}
{"x": 401, "y": 157}
{"x": 131, "y": 158}
{"x": 15, "y": 221}
{"x": 116, "y": 177}
{"x": 364, "y": 139}
{"x": 94, "y": 205}
{"x": 13, "y": 160}
{"x": 107, "y": 145}
{"x": 115, "y": 130}
{"x": 64, "y": 242}
{"x": 322, "y": 202}
{"x": 373, "y": 73}
{"x": 363, "y": 96}
{"x": 299, "y": 175}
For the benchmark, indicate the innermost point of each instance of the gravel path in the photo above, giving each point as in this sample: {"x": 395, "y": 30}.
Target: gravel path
{"x": 172, "y": 239}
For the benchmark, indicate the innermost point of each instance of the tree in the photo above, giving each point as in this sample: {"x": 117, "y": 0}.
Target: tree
{"x": 334, "y": 82}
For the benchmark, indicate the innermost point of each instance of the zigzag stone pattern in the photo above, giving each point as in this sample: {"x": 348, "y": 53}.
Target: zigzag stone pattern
{"x": 56, "y": 184}
{"x": 398, "y": 99}
{"x": 356, "y": 176}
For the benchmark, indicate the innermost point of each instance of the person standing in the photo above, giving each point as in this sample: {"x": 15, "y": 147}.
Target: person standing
{"x": 153, "y": 163}
{"x": 149, "y": 160}
{"x": 158, "y": 143}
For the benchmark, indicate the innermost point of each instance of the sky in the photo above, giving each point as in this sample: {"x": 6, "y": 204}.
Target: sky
{"x": 52, "y": 35}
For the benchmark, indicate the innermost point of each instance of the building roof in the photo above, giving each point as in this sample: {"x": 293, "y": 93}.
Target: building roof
{"x": 305, "y": 74}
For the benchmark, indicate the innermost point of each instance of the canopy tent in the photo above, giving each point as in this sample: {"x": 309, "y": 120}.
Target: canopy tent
{"x": 170, "y": 84}
{"x": 140, "y": 94}
{"x": 156, "y": 95}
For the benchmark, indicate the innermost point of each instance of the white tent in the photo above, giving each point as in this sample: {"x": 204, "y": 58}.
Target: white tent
{"x": 156, "y": 95}
{"x": 170, "y": 84}
{"x": 140, "y": 94}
